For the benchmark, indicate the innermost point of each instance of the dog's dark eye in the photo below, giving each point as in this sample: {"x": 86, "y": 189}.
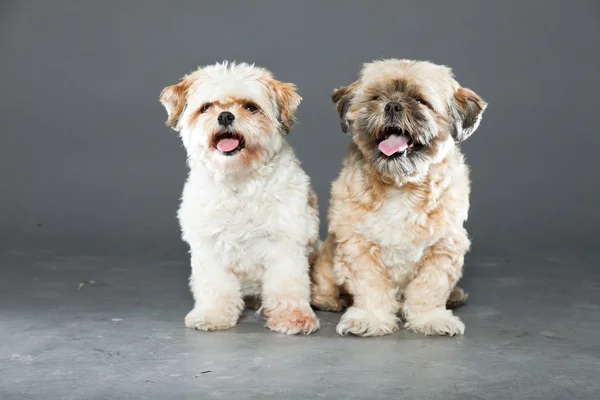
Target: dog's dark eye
{"x": 251, "y": 107}
{"x": 205, "y": 107}
{"x": 375, "y": 98}
{"x": 421, "y": 101}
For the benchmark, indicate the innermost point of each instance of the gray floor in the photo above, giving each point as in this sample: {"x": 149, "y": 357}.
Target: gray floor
{"x": 532, "y": 333}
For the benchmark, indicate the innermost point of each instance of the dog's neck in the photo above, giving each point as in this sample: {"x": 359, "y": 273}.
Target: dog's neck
{"x": 237, "y": 177}
{"x": 443, "y": 164}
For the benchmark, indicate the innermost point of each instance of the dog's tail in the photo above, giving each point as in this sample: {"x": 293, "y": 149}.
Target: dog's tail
{"x": 457, "y": 298}
{"x": 325, "y": 293}
{"x": 316, "y": 249}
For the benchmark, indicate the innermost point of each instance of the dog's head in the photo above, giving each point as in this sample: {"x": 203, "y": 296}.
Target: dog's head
{"x": 231, "y": 116}
{"x": 403, "y": 114}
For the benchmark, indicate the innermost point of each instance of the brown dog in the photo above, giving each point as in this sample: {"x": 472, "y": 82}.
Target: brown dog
{"x": 396, "y": 239}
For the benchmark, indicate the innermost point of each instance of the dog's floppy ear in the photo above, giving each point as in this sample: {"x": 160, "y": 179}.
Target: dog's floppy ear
{"x": 287, "y": 101}
{"x": 173, "y": 98}
{"x": 342, "y": 97}
{"x": 467, "y": 111}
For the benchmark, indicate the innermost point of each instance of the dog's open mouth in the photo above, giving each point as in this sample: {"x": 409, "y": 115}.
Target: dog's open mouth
{"x": 395, "y": 141}
{"x": 228, "y": 143}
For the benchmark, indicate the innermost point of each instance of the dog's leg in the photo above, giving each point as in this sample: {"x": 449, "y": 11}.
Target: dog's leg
{"x": 375, "y": 305}
{"x": 217, "y": 295}
{"x": 426, "y": 296}
{"x": 286, "y": 291}
{"x": 325, "y": 293}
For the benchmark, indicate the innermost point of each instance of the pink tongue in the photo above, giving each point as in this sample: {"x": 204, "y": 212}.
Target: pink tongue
{"x": 227, "y": 145}
{"x": 393, "y": 144}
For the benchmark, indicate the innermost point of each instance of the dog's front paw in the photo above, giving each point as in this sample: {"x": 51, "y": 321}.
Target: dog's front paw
{"x": 435, "y": 322}
{"x": 293, "y": 320}
{"x": 357, "y": 321}
{"x": 203, "y": 320}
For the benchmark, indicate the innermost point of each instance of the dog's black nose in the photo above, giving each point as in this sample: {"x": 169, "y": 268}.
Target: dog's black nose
{"x": 392, "y": 108}
{"x": 225, "y": 118}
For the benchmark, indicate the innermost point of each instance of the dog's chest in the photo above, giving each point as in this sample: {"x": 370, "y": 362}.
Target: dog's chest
{"x": 235, "y": 217}
{"x": 392, "y": 225}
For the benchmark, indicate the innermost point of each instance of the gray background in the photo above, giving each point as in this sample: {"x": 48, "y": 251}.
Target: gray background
{"x": 86, "y": 163}
{"x": 92, "y": 271}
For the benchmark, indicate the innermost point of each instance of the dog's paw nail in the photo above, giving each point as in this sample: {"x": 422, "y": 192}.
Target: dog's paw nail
{"x": 293, "y": 322}
{"x": 364, "y": 323}
{"x": 205, "y": 321}
{"x": 437, "y": 322}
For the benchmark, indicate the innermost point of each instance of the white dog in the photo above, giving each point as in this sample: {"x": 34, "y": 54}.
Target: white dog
{"x": 248, "y": 211}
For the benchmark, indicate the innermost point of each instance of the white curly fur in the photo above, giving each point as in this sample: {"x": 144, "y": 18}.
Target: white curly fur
{"x": 247, "y": 218}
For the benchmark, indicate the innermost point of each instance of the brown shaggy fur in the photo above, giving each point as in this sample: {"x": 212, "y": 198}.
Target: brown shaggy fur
{"x": 396, "y": 240}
